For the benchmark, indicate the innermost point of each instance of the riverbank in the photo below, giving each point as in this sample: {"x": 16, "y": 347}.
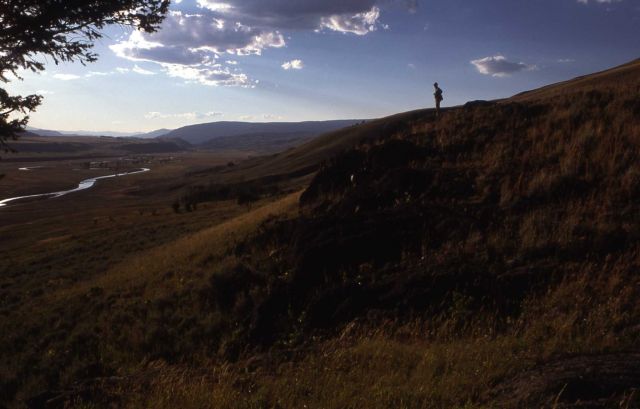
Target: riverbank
{"x": 84, "y": 185}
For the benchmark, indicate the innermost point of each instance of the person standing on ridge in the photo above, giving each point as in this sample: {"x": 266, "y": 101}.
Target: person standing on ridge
{"x": 438, "y": 96}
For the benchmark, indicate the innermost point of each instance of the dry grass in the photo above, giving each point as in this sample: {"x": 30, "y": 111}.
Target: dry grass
{"x": 539, "y": 170}
{"x": 557, "y": 182}
{"x": 167, "y": 268}
{"x": 416, "y": 365}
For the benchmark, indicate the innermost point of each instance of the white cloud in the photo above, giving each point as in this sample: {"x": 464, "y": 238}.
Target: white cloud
{"x": 135, "y": 40}
{"x": 66, "y": 77}
{"x": 142, "y": 71}
{"x": 97, "y": 74}
{"x": 499, "y": 66}
{"x": 189, "y": 46}
{"x": 184, "y": 115}
{"x": 214, "y": 5}
{"x": 353, "y": 16}
{"x": 196, "y": 41}
{"x": 359, "y": 24}
{"x": 215, "y": 75}
{"x": 44, "y": 92}
{"x": 293, "y": 65}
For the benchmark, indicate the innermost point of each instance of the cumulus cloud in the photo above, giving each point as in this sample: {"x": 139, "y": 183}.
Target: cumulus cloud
{"x": 189, "y": 46}
{"x": 214, "y": 75}
{"x": 184, "y": 115}
{"x": 194, "y": 41}
{"x": 360, "y": 23}
{"x": 192, "y": 38}
{"x": 499, "y": 66}
{"x": 293, "y": 65}
{"x": 66, "y": 77}
{"x": 338, "y": 15}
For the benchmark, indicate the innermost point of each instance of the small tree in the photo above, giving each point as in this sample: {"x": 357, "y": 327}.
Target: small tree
{"x": 64, "y": 30}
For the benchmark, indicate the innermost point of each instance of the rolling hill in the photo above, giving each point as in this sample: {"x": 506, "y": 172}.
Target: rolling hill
{"x": 153, "y": 134}
{"x": 202, "y": 133}
{"x": 259, "y": 143}
{"x": 251, "y": 138}
{"x": 611, "y": 78}
{"x": 42, "y": 132}
{"x": 52, "y": 147}
{"x": 308, "y": 156}
{"x": 485, "y": 258}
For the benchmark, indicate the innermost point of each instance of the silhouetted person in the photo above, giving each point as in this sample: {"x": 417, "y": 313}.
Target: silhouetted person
{"x": 438, "y": 96}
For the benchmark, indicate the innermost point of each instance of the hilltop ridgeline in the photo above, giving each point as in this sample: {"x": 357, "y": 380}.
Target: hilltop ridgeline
{"x": 485, "y": 209}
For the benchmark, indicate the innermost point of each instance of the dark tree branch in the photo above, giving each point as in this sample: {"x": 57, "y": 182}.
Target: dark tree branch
{"x": 64, "y": 30}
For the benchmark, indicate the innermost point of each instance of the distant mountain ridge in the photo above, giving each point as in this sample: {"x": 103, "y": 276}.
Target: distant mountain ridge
{"x": 144, "y": 135}
{"x": 204, "y": 133}
{"x": 153, "y": 134}
{"x": 259, "y": 137}
{"x": 43, "y": 132}
{"x": 255, "y": 138}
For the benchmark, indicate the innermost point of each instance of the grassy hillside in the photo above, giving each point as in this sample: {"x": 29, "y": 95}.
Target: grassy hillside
{"x": 48, "y": 148}
{"x": 202, "y": 133}
{"x": 484, "y": 258}
{"x": 258, "y": 143}
{"x": 306, "y": 159}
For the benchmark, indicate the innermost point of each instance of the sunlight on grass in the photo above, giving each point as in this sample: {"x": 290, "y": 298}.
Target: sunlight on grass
{"x": 178, "y": 259}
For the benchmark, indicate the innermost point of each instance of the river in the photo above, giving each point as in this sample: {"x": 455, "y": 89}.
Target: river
{"x": 85, "y": 184}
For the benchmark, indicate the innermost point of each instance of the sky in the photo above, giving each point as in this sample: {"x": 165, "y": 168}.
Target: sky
{"x": 298, "y": 60}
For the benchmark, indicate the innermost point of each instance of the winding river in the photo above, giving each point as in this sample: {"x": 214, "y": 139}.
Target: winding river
{"x": 85, "y": 184}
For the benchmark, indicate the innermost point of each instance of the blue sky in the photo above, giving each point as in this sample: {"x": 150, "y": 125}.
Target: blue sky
{"x": 294, "y": 60}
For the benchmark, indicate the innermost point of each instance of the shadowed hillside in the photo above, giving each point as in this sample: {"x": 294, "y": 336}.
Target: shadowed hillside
{"x": 307, "y": 158}
{"x": 614, "y": 78}
{"x": 261, "y": 143}
{"x": 486, "y": 258}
